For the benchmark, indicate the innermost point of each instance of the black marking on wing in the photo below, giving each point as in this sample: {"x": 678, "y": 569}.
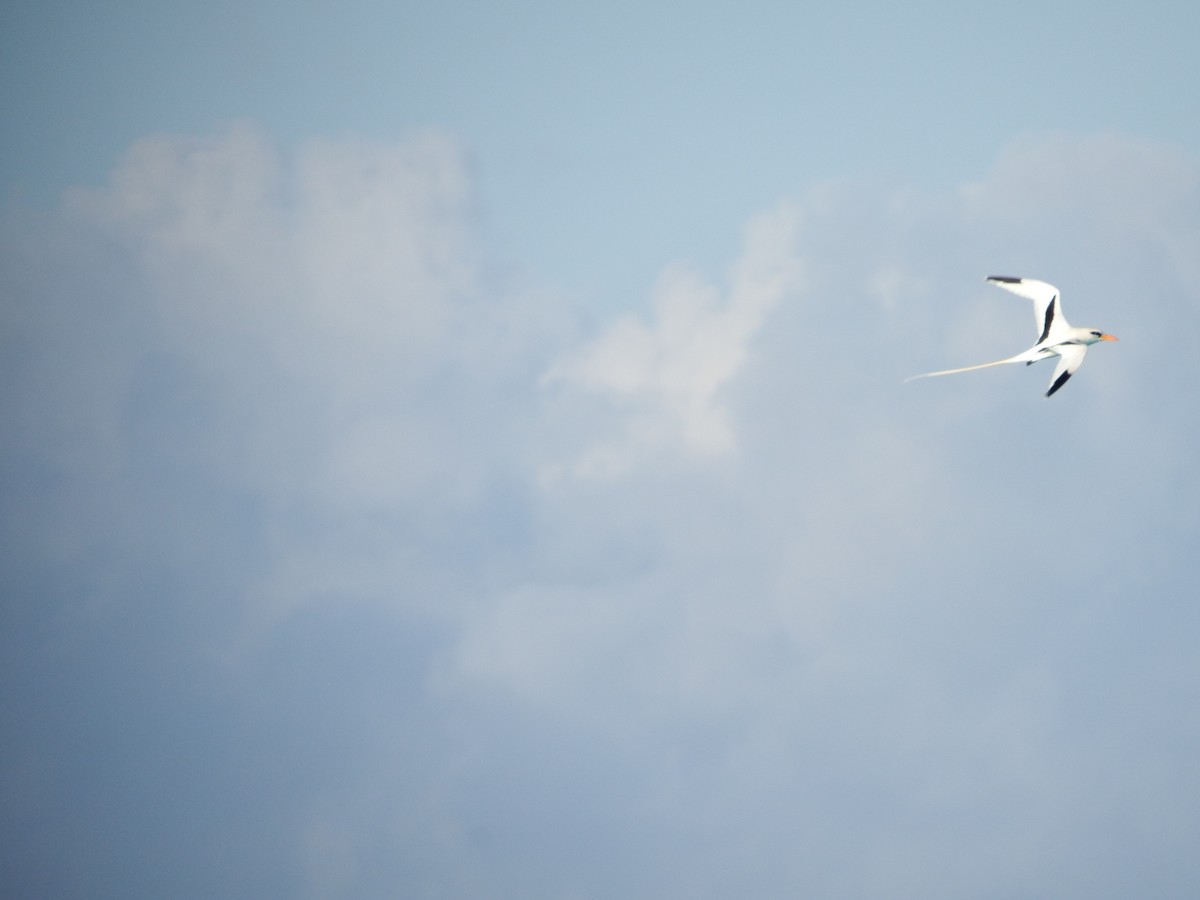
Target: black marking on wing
{"x": 1049, "y": 317}
{"x": 1058, "y": 382}
{"x": 1007, "y": 279}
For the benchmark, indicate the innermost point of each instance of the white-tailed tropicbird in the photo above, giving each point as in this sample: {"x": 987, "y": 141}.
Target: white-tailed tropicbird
{"x": 1056, "y": 336}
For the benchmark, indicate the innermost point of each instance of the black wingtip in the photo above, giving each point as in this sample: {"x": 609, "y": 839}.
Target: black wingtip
{"x": 1058, "y": 382}
{"x": 1006, "y": 279}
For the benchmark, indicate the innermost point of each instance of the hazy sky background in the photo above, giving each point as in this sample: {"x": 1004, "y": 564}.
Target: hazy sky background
{"x": 461, "y": 451}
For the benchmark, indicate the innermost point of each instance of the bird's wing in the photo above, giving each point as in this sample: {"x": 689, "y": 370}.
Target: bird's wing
{"x": 1070, "y": 359}
{"x": 1027, "y": 356}
{"x": 1047, "y": 306}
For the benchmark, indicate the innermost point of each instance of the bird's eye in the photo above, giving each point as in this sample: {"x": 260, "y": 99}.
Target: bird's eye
{"x": 1096, "y": 333}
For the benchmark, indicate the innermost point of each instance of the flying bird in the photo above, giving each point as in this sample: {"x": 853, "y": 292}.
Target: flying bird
{"x": 1056, "y": 337}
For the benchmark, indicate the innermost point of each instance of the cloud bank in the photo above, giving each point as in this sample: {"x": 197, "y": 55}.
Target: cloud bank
{"x": 340, "y": 560}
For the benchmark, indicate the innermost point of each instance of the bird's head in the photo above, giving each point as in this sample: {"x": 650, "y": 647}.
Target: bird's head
{"x": 1095, "y": 336}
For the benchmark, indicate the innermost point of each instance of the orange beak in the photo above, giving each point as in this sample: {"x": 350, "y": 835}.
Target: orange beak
{"x": 1107, "y": 337}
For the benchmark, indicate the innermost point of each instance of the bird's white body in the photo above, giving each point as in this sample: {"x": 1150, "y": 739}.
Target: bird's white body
{"x": 1056, "y": 337}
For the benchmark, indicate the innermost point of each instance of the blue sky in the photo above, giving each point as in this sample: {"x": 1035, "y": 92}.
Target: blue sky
{"x": 463, "y": 451}
{"x": 647, "y": 129}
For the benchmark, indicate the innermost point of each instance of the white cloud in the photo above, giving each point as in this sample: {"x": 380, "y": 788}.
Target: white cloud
{"x": 333, "y": 303}
{"x": 662, "y": 379}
